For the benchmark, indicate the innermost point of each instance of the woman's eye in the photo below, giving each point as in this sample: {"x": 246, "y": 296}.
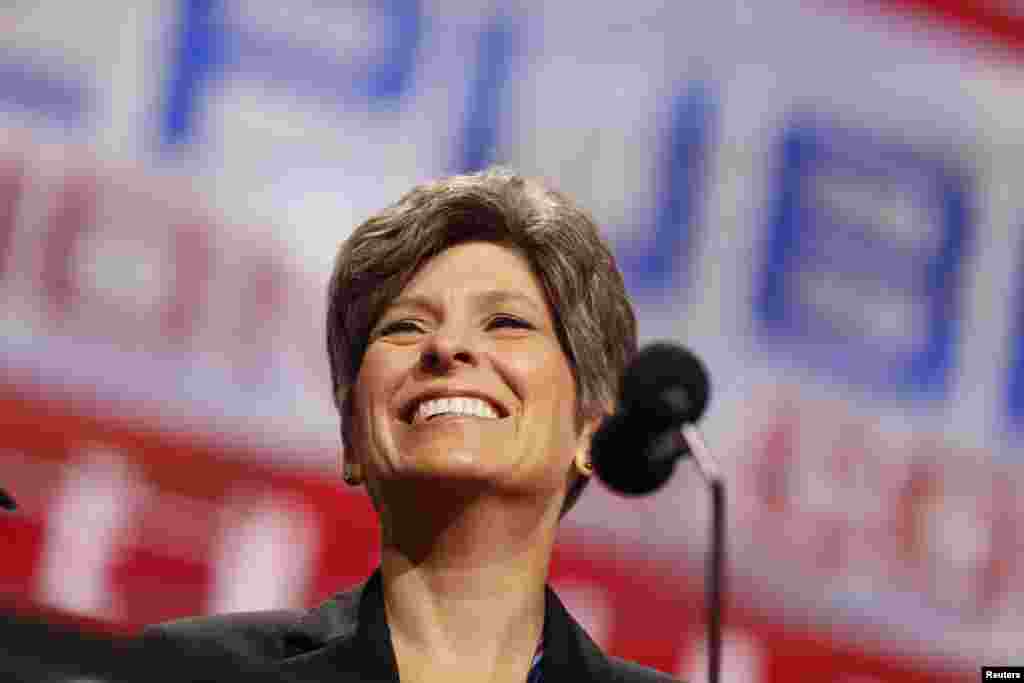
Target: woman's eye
{"x": 508, "y": 321}
{"x": 400, "y": 327}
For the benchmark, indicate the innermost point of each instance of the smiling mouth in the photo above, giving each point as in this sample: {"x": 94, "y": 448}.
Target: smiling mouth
{"x": 452, "y": 406}
{"x": 440, "y": 417}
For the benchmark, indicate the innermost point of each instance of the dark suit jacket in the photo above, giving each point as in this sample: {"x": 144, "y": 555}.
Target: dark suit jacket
{"x": 347, "y": 639}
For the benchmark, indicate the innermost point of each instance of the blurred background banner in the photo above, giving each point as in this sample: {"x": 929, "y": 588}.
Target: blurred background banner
{"x": 824, "y": 200}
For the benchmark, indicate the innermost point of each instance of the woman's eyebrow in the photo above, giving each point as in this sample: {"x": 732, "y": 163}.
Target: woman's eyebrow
{"x": 486, "y": 299}
{"x": 496, "y": 297}
{"x": 412, "y": 301}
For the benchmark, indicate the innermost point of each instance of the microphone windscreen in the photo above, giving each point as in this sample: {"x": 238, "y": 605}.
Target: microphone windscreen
{"x": 666, "y": 382}
{"x": 627, "y": 460}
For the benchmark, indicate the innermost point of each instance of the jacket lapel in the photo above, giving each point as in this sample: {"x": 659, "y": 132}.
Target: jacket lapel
{"x": 569, "y": 653}
{"x": 344, "y": 639}
{"x": 347, "y": 639}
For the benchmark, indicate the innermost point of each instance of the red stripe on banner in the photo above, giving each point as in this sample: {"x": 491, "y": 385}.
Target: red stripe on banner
{"x": 980, "y": 19}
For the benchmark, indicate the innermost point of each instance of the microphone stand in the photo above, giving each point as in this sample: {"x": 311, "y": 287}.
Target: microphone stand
{"x": 689, "y": 439}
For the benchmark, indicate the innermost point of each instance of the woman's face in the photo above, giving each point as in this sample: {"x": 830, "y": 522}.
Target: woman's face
{"x": 464, "y": 379}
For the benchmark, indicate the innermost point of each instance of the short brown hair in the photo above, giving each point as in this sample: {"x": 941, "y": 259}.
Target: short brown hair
{"x": 594, "y": 319}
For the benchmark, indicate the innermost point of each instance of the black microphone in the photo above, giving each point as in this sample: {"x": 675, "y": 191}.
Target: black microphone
{"x": 6, "y": 501}
{"x": 635, "y": 450}
{"x": 664, "y": 392}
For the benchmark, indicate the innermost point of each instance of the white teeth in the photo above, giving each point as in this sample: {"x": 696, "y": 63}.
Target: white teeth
{"x": 459, "y": 405}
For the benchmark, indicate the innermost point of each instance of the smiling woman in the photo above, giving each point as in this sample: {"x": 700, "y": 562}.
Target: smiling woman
{"x": 476, "y": 331}
{"x": 479, "y": 333}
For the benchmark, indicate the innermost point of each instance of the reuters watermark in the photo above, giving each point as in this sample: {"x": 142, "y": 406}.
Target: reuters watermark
{"x": 1002, "y": 673}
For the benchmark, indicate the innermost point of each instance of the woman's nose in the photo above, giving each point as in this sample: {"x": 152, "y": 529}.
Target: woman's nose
{"x": 446, "y": 348}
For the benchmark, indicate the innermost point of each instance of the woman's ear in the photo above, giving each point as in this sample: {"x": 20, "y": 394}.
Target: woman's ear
{"x": 351, "y": 472}
{"x": 351, "y": 469}
{"x": 584, "y": 463}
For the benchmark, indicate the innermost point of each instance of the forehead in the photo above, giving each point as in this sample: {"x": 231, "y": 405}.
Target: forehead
{"x": 490, "y": 272}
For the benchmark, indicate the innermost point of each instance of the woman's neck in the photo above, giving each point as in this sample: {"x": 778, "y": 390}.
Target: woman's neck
{"x": 464, "y": 589}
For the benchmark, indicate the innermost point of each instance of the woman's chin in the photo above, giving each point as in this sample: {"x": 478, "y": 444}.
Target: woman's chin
{"x": 454, "y": 464}
{"x": 457, "y": 449}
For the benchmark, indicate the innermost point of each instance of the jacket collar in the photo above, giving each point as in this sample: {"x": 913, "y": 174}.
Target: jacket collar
{"x": 349, "y": 634}
{"x": 569, "y": 653}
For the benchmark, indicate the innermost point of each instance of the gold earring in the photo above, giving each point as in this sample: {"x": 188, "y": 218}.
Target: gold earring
{"x": 352, "y": 474}
{"x": 584, "y": 465}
